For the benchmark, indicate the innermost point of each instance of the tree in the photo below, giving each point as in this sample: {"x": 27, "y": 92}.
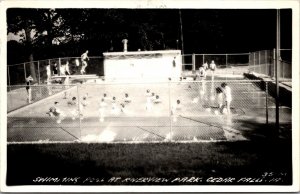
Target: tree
{"x": 37, "y": 26}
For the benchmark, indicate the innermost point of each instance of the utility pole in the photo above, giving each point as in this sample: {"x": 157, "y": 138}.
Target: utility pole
{"x": 181, "y": 31}
{"x": 276, "y": 69}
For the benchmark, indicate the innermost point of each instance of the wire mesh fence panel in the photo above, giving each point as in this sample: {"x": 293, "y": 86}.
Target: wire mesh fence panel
{"x": 187, "y": 62}
{"x": 20, "y": 95}
{"x": 199, "y": 61}
{"x": 17, "y": 74}
{"x": 124, "y": 112}
{"x": 234, "y": 60}
{"x": 262, "y": 62}
{"x": 55, "y": 66}
{"x": 199, "y": 110}
{"x": 38, "y": 124}
{"x": 95, "y": 66}
{"x": 16, "y": 97}
{"x": 32, "y": 69}
{"x": 42, "y": 129}
{"x": 43, "y": 64}
{"x": 145, "y": 112}
{"x": 220, "y": 60}
{"x": 284, "y": 109}
{"x": 270, "y": 63}
{"x": 50, "y": 116}
{"x": 285, "y": 70}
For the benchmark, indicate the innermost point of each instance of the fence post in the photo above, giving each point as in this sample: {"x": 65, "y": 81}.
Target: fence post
{"x": 274, "y": 62}
{"x": 259, "y": 62}
{"x": 194, "y": 62}
{"x": 203, "y": 59}
{"x": 282, "y": 67}
{"x": 170, "y": 112}
{"x": 59, "y": 64}
{"x": 79, "y": 111}
{"x": 249, "y": 62}
{"x": 226, "y": 60}
{"x": 8, "y": 76}
{"x": 254, "y": 62}
{"x": 266, "y": 62}
{"x": 39, "y": 72}
{"x": 25, "y": 70}
{"x": 267, "y": 104}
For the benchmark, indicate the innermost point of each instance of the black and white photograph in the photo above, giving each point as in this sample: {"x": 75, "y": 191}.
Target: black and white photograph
{"x": 150, "y": 96}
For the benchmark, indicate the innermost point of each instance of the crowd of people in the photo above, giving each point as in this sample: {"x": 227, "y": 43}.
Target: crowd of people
{"x": 64, "y": 68}
{"x": 222, "y": 92}
{"x": 222, "y": 95}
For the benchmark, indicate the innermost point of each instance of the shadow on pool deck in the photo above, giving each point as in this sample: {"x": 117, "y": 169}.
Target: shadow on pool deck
{"x": 257, "y": 131}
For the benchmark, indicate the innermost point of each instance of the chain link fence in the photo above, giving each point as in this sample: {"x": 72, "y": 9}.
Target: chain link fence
{"x": 17, "y": 73}
{"x": 262, "y": 62}
{"x": 233, "y": 63}
{"x": 19, "y": 96}
{"x": 144, "y": 112}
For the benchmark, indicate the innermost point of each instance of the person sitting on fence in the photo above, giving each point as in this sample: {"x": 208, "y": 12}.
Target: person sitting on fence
{"x": 84, "y": 59}
{"x": 29, "y": 81}
{"x": 228, "y": 97}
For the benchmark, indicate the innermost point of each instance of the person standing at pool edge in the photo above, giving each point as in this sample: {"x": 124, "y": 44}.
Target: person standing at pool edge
{"x": 29, "y": 79}
{"x": 84, "y": 59}
{"x": 228, "y": 97}
{"x": 212, "y": 67}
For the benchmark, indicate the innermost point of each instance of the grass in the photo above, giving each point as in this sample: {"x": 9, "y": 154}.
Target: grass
{"x": 164, "y": 160}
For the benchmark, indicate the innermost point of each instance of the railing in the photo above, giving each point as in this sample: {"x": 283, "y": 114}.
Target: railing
{"x": 261, "y": 62}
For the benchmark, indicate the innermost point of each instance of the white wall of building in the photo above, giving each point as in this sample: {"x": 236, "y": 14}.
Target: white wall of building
{"x": 143, "y": 65}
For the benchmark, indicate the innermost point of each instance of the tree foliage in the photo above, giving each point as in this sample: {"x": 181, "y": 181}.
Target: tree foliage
{"x": 51, "y": 33}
